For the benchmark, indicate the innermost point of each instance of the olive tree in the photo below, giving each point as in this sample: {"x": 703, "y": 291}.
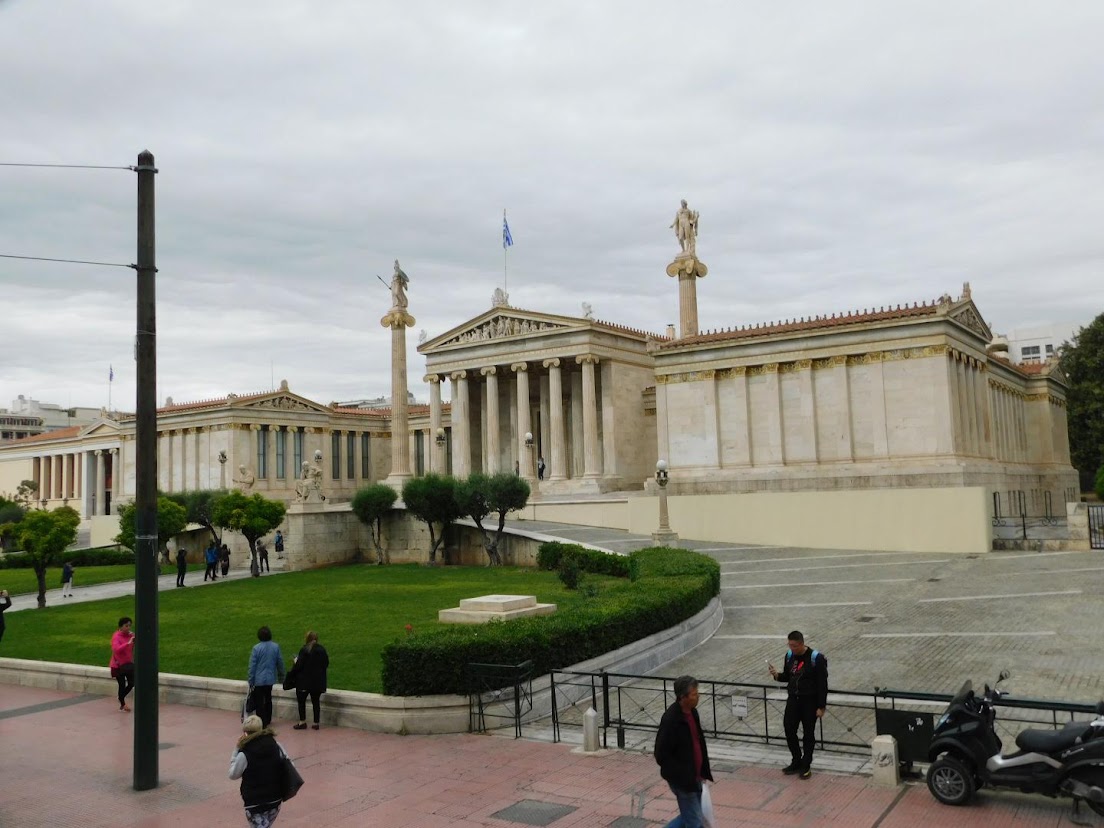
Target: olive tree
{"x": 432, "y": 499}
{"x": 370, "y": 505}
{"x": 43, "y": 535}
{"x": 481, "y": 496}
{"x": 254, "y": 517}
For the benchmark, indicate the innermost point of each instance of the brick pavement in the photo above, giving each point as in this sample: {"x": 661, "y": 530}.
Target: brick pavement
{"x": 71, "y": 766}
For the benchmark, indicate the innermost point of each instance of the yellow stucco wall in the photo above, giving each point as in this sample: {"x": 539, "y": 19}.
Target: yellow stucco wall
{"x": 14, "y": 472}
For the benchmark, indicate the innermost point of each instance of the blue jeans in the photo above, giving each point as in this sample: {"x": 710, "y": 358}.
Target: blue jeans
{"x": 690, "y": 808}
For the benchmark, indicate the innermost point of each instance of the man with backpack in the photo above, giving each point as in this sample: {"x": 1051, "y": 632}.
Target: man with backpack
{"x": 805, "y": 674}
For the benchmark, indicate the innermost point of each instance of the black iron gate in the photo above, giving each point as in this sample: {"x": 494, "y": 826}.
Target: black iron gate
{"x": 1096, "y": 527}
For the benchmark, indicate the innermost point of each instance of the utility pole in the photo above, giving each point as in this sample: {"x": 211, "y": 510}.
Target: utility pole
{"x": 146, "y": 661}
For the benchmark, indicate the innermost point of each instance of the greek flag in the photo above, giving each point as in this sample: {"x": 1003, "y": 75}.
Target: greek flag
{"x": 507, "y": 239}
{"x": 110, "y": 373}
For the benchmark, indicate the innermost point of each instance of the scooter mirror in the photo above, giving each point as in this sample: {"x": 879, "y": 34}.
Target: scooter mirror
{"x": 1003, "y": 675}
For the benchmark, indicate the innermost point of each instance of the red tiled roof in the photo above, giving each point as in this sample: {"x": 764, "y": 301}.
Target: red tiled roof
{"x": 59, "y": 434}
{"x": 1028, "y": 369}
{"x": 386, "y": 412}
{"x": 836, "y": 320}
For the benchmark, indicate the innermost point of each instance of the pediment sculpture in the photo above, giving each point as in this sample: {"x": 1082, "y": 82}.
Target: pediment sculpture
{"x": 502, "y": 326}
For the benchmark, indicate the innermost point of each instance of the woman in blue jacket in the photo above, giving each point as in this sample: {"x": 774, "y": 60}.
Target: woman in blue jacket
{"x": 266, "y": 668}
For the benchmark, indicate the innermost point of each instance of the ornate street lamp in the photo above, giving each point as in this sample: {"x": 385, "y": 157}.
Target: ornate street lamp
{"x": 663, "y": 536}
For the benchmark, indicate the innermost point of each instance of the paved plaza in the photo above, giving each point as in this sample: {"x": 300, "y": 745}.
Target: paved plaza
{"x": 911, "y": 621}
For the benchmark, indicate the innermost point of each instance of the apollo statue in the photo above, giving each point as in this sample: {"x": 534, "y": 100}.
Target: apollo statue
{"x": 686, "y": 229}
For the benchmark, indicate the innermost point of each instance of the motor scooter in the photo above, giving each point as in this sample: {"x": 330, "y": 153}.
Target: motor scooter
{"x": 965, "y": 754}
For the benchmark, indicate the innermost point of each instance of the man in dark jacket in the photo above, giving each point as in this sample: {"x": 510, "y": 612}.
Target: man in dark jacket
{"x": 5, "y": 602}
{"x": 181, "y": 565}
{"x": 805, "y": 674}
{"x": 681, "y": 754}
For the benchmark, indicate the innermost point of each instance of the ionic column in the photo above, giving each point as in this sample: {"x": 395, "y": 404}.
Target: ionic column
{"x": 493, "y": 451}
{"x": 556, "y": 420}
{"x": 101, "y": 492}
{"x": 461, "y": 425}
{"x": 36, "y": 475}
{"x": 525, "y": 423}
{"x": 46, "y": 490}
{"x": 78, "y": 481}
{"x": 590, "y": 417}
{"x": 436, "y": 450}
{"x": 66, "y": 476}
{"x": 116, "y": 478}
{"x": 197, "y": 484}
{"x": 59, "y": 477}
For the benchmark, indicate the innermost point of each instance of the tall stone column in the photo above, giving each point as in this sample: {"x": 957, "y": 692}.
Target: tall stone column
{"x": 46, "y": 490}
{"x": 525, "y": 423}
{"x": 461, "y": 425}
{"x": 101, "y": 492}
{"x": 116, "y": 481}
{"x": 590, "y": 417}
{"x": 576, "y": 424}
{"x": 59, "y": 477}
{"x": 556, "y": 421}
{"x": 66, "y": 476}
{"x": 78, "y": 467}
{"x": 398, "y": 320}
{"x": 687, "y": 269}
{"x": 436, "y": 452}
{"x": 493, "y": 450}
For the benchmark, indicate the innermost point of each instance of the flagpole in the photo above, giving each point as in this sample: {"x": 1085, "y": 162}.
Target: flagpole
{"x": 505, "y": 274}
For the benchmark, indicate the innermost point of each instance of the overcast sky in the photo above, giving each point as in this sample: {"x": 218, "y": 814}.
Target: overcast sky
{"x": 842, "y": 155}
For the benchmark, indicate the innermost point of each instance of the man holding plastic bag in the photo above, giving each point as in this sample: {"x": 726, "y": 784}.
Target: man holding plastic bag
{"x": 683, "y": 759}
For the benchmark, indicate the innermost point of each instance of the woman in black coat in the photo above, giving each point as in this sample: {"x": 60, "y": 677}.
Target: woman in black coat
{"x": 310, "y": 678}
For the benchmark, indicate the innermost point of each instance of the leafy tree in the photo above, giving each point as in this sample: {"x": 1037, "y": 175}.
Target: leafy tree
{"x": 171, "y": 521}
{"x": 25, "y": 493}
{"x": 200, "y": 507}
{"x": 11, "y": 513}
{"x": 1100, "y": 483}
{"x": 370, "y": 504}
{"x": 481, "y": 495}
{"x": 254, "y": 517}
{"x": 1083, "y": 362}
{"x": 44, "y": 535}
{"x": 432, "y": 499}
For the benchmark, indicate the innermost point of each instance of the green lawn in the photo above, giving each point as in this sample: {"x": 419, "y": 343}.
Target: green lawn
{"x": 20, "y": 581}
{"x": 355, "y": 610}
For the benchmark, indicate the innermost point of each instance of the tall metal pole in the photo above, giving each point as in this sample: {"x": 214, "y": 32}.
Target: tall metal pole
{"x": 146, "y": 662}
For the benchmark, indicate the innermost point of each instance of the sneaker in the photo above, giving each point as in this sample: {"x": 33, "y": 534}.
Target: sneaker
{"x": 805, "y": 773}
{"x": 314, "y": 727}
{"x": 791, "y": 769}
{"x": 300, "y": 726}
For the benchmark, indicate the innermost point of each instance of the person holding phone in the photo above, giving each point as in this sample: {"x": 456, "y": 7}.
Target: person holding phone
{"x": 805, "y": 674}
{"x": 122, "y": 660}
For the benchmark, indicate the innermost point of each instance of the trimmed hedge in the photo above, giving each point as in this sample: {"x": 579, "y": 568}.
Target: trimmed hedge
{"x": 95, "y": 556}
{"x": 671, "y": 585}
{"x": 552, "y": 554}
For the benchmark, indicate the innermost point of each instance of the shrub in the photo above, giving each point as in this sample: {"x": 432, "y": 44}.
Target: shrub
{"x": 551, "y": 555}
{"x": 569, "y": 573}
{"x": 1100, "y": 483}
{"x": 671, "y": 586}
{"x": 95, "y": 556}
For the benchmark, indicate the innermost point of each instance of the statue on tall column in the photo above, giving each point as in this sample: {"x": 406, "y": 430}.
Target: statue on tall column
{"x": 686, "y": 229}
{"x": 399, "y": 283}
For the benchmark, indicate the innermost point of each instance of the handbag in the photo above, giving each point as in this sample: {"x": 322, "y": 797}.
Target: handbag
{"x": 290, "y": 676}
{"x": 292, "y": 780}
{"x": 248, "y": 704}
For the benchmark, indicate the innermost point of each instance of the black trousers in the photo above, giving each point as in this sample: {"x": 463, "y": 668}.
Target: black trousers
{"x": 301, "y": 697}
{"x": 125, "y": 680}
{"x": 801, "y": 710}
{"x": 180, "y": 572}
{"x": 262, "y": 703}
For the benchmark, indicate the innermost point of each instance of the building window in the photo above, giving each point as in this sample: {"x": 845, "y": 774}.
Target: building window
{"x": 350, "y": 455}
{"x": 1030, "y": 353}
{"x": 262, "y": 452}
{"x": 297, "y": 449}
{"x": 335, "y": 455}
{"x": 366, "y": 456}
{"x": 1050, "y": 350}
{"x": 281, "y": 454}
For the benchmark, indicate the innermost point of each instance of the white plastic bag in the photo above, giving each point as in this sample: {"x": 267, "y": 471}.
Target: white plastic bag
{"x": 708, "y": 819}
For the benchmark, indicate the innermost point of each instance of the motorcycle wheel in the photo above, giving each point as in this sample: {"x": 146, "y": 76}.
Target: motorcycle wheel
{"x": 950, "y": 781}
{"x": 1091, "y": 776}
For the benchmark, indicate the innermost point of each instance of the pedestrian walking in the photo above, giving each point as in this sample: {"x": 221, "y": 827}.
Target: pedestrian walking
{"x": 262, "y": 552}
{"x": 540, "y": 468}
{"x": 5, "y": 602}
{"x": 210, "y": 557}
{"x": 278, "y": 542}
{"x": 224, "y": 559}
{"x": 258, "y": 763}
{"x": 681, "y": 754}
{"x": 122, "y": 660}
{"x": 181, "y": 565}
{"x": 266, "y": 667}
{"x": 67, "y": 580}
{"x": 805, "y": 674}
{"x": 310, "y": 678}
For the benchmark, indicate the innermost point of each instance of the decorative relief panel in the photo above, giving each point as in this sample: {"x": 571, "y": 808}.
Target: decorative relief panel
{"x": 969, "y": 317}
{"x": 688, "y": 376}
{"x": 502, "y": 326}
{"x": 283, "y": 404}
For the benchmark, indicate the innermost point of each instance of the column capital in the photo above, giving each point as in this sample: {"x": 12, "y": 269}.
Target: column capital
{"x": 113, "y": 451}
{"x": 432, "y": 378}
{"x": 98, "y": 452}
{"x": 582, "y": 359}
{"x": 458, "y": 375}
{"x": 551, "y": 363}
{"x": 519, "y": 366}
{"x": 293, "y": 428}
{"x": 254, "y": 426}
{"x": 488, "y": 371}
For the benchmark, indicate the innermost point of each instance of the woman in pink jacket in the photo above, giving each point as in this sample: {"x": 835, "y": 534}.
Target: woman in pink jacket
{"x": 122, "y": 660}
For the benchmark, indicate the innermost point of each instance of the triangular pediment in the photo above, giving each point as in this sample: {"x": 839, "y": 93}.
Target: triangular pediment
{"x": 100, "y": 428}
{"x": 967, "y": 315}
{"x": 504, "y": 323}
{"x": 281, "y": 401}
